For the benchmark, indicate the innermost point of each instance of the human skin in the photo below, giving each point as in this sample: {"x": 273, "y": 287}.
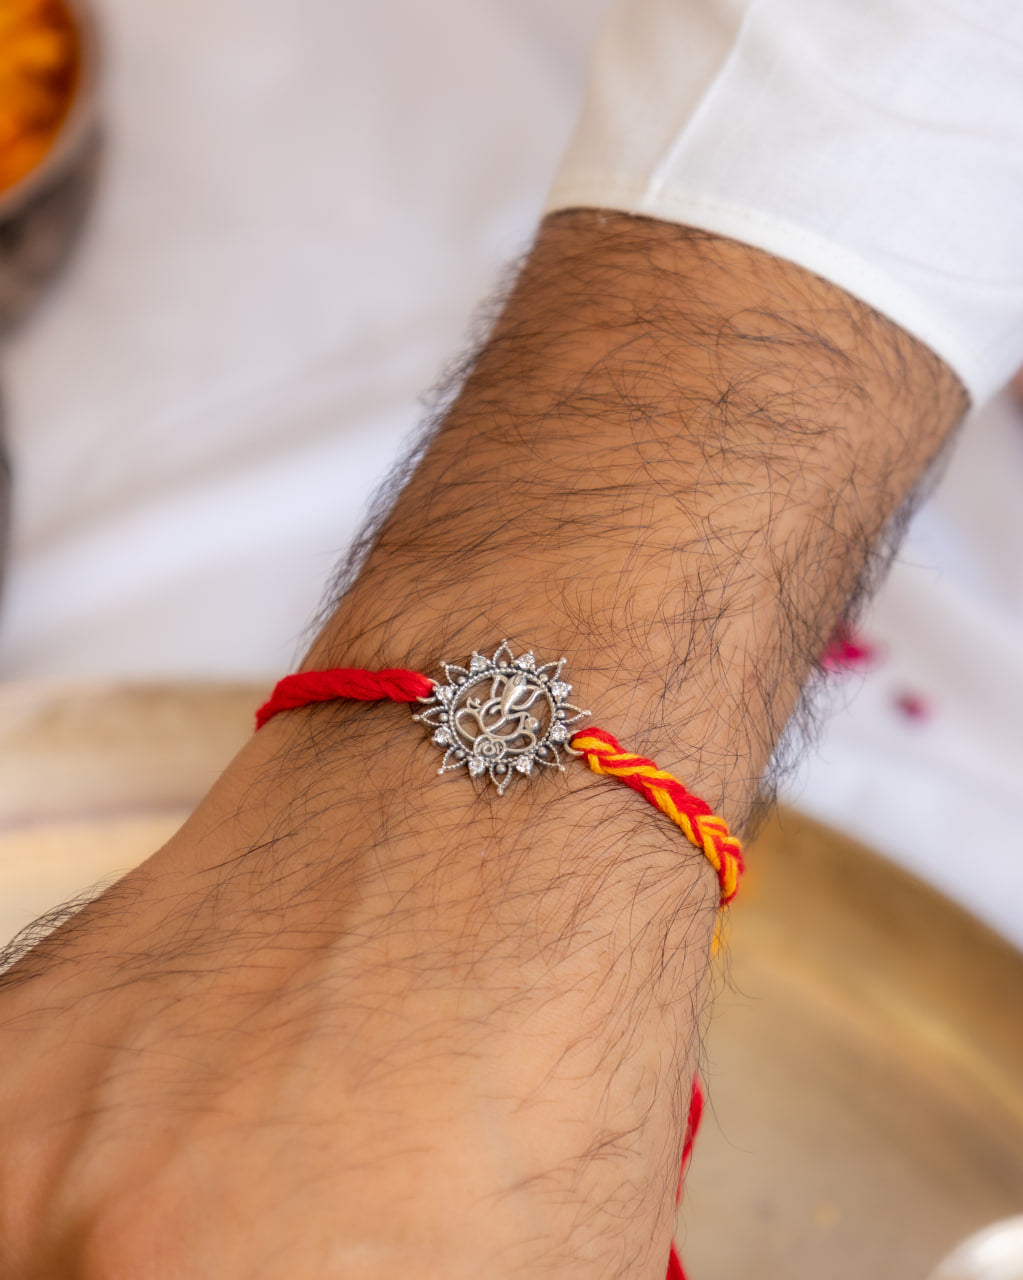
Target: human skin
{"x": 358, "y": 1020}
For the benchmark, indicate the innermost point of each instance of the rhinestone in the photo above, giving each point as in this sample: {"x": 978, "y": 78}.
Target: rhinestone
{"x": 560, "y": 733}
{"x": 442, "y": 737}
{"x": 526, "y": 662}
{"x": 560, "y": 689}
{"x": 524, "y": 764}
{"x": 476, "y": 766}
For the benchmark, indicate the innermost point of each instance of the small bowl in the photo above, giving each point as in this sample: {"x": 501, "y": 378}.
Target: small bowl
{"x": 42, "y": 213}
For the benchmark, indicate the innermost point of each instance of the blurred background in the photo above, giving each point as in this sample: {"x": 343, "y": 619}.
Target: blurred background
{"x": 216, "y": 333}
{"x": 298, "y": 208}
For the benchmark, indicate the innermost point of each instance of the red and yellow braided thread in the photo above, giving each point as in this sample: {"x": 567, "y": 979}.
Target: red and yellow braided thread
{"x": 693, "y": 816}
{"x": 603, "y": 753}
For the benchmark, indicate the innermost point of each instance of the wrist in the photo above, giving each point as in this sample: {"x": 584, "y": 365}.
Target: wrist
{"x": 669, "y": 464}
{"x": 484, "y": 1012}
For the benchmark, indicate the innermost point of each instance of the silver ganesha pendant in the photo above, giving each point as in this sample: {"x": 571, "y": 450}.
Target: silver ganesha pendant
{"x": 501, "y": 716}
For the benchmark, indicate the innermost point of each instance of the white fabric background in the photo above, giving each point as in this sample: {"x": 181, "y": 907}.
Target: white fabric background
{"x": 303, "y": 201}
{"x": 878, "y": 143}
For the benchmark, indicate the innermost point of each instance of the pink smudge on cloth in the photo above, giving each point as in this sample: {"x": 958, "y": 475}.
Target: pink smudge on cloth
{"x": 848, "y": 650}
{"x": 913, "y": 706}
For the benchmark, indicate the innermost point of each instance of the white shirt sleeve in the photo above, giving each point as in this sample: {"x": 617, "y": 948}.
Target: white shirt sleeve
{"x": 878, "y": 143}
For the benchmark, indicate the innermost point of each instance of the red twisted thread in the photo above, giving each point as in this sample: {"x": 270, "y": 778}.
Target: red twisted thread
{"x": 306, "y": 687}
{"x": 693, "y": 1118}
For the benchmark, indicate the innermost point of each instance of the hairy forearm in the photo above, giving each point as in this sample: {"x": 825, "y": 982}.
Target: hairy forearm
{"x": 473, "y": 1020}
{"x": 672, "y": 462}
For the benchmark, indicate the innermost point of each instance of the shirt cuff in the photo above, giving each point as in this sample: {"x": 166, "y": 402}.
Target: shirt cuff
{"x": 878, "y": 145}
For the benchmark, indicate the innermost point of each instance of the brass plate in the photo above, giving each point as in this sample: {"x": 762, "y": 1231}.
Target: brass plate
{"x": 94, "y": 778}
{"x": 866, "y": 1071}
{"x": 866, "y": 1053}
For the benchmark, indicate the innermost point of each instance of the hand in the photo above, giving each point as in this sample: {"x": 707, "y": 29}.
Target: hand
{"x": 355, "y": 1020}
{"x": 275, "y": 1052}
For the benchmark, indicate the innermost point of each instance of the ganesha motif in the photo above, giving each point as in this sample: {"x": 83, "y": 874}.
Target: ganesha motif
{"x": 501, "y": 716}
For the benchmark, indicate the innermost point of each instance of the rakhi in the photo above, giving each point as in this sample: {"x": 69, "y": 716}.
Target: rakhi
{"x": 505, "y": 718}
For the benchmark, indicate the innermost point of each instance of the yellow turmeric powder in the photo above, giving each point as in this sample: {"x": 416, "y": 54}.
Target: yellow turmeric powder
{"x": 38, "y": 75}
